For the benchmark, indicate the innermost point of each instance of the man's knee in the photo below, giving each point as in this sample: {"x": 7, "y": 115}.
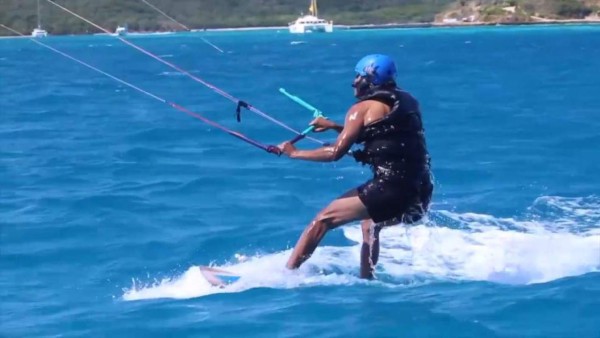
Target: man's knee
{"x": 330, "y": 218}
{"x": 316, "y": 228}
{"x": 370, "y": 231}
{"x": 366, "y": 229}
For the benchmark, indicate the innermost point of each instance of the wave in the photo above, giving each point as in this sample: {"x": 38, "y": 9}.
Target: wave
{"x": 168, "y": 73}
{"x": 446, "y": 247}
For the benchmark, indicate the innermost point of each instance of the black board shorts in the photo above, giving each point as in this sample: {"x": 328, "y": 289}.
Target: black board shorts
{"x": 397, "y": 198}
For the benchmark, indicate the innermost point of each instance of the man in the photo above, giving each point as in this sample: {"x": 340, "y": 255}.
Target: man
{"x": 387, "y": 121}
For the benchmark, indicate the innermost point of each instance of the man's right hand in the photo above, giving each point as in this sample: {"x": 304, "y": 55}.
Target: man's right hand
{"x": 322, "y": 124}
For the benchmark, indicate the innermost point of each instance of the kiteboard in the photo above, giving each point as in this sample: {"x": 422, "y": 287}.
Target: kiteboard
{"x": 218, "y": 277}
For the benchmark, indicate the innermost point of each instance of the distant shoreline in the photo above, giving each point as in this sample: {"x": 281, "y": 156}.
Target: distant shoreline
{"x": 418, "y": 25}
{"x": 409, "y": 25}
{"x": 475, "y": 24}
{"x": 358, "y": 27}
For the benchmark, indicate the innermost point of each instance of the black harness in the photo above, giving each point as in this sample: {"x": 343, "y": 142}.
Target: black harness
{"x": 398, "y": 139}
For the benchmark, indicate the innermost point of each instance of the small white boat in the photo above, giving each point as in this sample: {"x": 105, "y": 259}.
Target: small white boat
{"x": 121, "y": 30}
{"x": 39, "y": 31}
{"x": 311, "y": 23}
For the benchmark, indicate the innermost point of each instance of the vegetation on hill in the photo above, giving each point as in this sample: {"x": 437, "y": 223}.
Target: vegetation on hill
{"x": 21, "y": 14}
{"x": 519, "y": 10}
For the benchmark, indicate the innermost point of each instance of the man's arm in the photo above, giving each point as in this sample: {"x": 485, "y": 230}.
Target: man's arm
{"x": 338, "y": 128}
{"x": 322, "y": 124}
{"x": 348, "y": 135}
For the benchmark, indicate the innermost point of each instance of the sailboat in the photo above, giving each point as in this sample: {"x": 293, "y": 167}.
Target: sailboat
{"x": 39, "y": 32}
{"x": 311, "y": 22}
{"x": 121, "y": 30}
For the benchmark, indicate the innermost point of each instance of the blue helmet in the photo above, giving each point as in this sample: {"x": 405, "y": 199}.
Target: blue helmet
{"x": 377, "y": 69}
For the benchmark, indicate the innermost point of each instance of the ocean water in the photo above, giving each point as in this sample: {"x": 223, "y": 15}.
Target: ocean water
{"x": 111, "y": 200}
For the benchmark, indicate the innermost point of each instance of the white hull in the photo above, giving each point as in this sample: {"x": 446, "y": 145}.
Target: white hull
{"x": 311, "y": 23}
{"x": 300, "y": 28}
{"x": 121, "y": 31}
{"x": 39, "y": 33}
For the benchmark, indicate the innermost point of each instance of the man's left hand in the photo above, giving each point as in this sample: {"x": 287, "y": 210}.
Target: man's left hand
{"x": 287, "y": 148}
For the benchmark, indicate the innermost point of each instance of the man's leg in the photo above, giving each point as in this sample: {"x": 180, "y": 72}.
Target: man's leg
{"x": 344, "y": 209}
{"x": 369, "y": 253}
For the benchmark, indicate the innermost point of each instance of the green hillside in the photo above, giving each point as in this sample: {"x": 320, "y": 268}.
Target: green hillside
{"x": 21, "y": 14}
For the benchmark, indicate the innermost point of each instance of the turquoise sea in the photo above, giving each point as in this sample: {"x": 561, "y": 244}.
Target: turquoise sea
{"x": 110, "y": 199}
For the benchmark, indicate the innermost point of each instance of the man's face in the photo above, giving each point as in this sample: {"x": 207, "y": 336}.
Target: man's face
{"x": 360, "y": 85}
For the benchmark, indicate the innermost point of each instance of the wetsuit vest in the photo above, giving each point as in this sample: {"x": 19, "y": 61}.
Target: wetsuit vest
{"x": 396, "y": 143}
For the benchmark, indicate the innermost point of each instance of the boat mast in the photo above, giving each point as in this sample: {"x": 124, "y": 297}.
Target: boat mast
{"x": 39, "y": 22}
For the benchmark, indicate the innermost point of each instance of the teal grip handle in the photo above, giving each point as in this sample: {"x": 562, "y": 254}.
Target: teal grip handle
{"x": 316, "y": 112}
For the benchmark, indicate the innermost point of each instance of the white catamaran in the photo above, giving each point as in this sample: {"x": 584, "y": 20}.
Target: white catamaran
{"x": 311, "y": 23}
